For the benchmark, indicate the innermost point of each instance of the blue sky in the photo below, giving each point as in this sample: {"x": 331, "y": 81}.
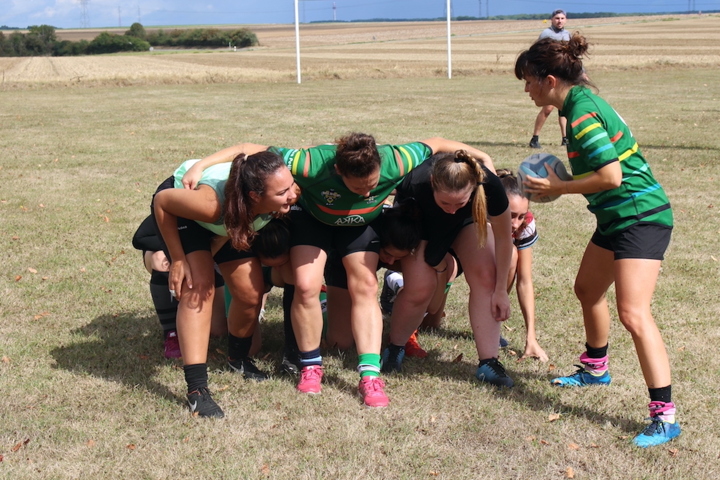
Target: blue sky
{"x": 113, "y": 13}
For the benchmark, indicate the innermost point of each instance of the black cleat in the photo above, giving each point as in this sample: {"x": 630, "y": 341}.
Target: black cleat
{"x": 202, "y": 404}
{"x": 247, "y": 368}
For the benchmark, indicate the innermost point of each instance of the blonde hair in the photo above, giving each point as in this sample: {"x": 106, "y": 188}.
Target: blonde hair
{"x": 454, "y": 172}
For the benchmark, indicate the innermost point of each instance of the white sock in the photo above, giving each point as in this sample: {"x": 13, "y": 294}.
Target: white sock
{"x": 395, "y": 281}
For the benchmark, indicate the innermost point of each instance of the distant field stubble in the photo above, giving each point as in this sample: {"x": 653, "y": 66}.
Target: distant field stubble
{"x": 378, "y": 50}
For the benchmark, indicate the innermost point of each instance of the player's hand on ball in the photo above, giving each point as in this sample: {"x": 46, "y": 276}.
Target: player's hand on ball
{"x": 552, "y": 185}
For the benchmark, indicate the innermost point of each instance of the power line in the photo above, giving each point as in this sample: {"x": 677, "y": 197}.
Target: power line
{"x": 84, "y": 22}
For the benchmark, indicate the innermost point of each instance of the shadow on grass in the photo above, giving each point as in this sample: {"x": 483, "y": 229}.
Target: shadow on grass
{"x": 128, "y": 349}
{"x": 550, "y": 398}
{"x": 532, "y": 390}
{"x": 125, "y": 348}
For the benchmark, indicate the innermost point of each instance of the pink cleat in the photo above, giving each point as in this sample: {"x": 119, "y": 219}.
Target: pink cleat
{"x": 172, "y": 346}
{"x": 310, "y": 379}
{"x": 371, "y": 390}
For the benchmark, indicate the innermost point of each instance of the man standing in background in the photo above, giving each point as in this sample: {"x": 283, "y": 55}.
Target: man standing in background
{"x": 556, "y": 31}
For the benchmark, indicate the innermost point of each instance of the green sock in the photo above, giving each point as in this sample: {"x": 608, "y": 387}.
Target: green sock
{"x": 369, "y": 365}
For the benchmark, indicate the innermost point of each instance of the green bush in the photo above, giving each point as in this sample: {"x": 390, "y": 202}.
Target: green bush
{"x": 16, "y": 45}
{"x": 137, "y": 31}
{"x": 157, "y": 38}
{"x": 4, "y": 46}
{"x": 111, "y": 43}
{"x": 42, "y": 40}
{"x": 67, "y": 48}
{"x": 203, "y": 37}
{"x": 243, "y": 38}
{"x": 38, "y": 41}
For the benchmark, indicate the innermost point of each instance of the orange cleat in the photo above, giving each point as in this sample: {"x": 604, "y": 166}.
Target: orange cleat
{"x": 413, "y": 348}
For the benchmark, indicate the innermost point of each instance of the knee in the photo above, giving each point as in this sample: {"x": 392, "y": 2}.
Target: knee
{"x": 363, "y": 286}
{"x": 246, "y": 298}
{"x": 481, "y": 279}
{"x": 202, "y": 291}
{"x": 585, "y": 292}
{"x": 635, "y": 320}
{"x": 306, "y": 291}
{"x": 416, "y": 292}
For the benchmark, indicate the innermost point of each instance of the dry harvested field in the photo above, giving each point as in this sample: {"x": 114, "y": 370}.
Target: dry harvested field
{"x": 378, "y": 50}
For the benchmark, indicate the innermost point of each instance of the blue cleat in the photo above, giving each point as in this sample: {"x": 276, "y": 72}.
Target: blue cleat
{"x": 582, "y": 378}
{"x": 492, "y": 371}
{"x": 392, "y": 359}
{"x": 657, "y": 433}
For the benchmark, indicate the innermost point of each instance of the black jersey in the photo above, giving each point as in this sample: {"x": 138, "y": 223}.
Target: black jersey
{"x": 439, "y": 228}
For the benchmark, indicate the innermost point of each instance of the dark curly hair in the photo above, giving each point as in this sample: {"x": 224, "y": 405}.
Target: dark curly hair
{"x": 357, "y": 155}
{"x": 400, "y": 226}
{"x": 561, "y": 59}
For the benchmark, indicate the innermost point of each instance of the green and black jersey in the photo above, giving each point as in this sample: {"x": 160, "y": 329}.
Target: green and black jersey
{"x": 325, "y": 195}
{"x": 597, "y": 137}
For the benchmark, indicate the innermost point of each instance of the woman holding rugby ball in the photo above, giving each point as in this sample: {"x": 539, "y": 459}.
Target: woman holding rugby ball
{"x": 634, "y": 223}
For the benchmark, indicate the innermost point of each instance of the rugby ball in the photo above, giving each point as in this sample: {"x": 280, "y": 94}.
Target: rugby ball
{"x": 537, "y": 165}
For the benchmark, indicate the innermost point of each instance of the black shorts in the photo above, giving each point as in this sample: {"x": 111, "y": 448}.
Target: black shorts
{"x": 194, "y": 237}
{"x": 335, "y": 273}
{"x": 306, "y": 230}
{"x": 441, "y": 241}
{"x": 642, "y": 240}
{"x": 267, "y": 278}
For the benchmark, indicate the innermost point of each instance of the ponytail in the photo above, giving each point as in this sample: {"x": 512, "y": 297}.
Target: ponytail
{"x": 247, "y": 175}
{"x": 509, "y": 182}
{"x": 453, "y": 172}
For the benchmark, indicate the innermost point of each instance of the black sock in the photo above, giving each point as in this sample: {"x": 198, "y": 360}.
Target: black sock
{"x": 395, "y": 350}
{"x": 165, "y": 305}
{"x": 311, "y": 358}
{"x": 238, "y": 348}
{"x": 596, "y": 352}
{"x": 291, "y": 346}
{"x": 663, "y": 394}
{"x": 196, "y": 376}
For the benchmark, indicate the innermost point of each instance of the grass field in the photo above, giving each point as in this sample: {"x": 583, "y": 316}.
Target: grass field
{"x": 87, "y": 393}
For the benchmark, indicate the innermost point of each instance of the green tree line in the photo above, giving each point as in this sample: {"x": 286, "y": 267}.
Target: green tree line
{"x": 42, "y": 41}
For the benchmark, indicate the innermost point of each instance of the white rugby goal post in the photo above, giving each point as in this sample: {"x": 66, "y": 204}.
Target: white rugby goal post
{"x": 448, "y": 9}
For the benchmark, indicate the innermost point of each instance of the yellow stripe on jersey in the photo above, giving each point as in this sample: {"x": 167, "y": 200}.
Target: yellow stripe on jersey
{"x": 587, "y": 129}
{"x": 295, "y": 162}
{"x": 407, "y": 155}
{"x": 628, "y": 152}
